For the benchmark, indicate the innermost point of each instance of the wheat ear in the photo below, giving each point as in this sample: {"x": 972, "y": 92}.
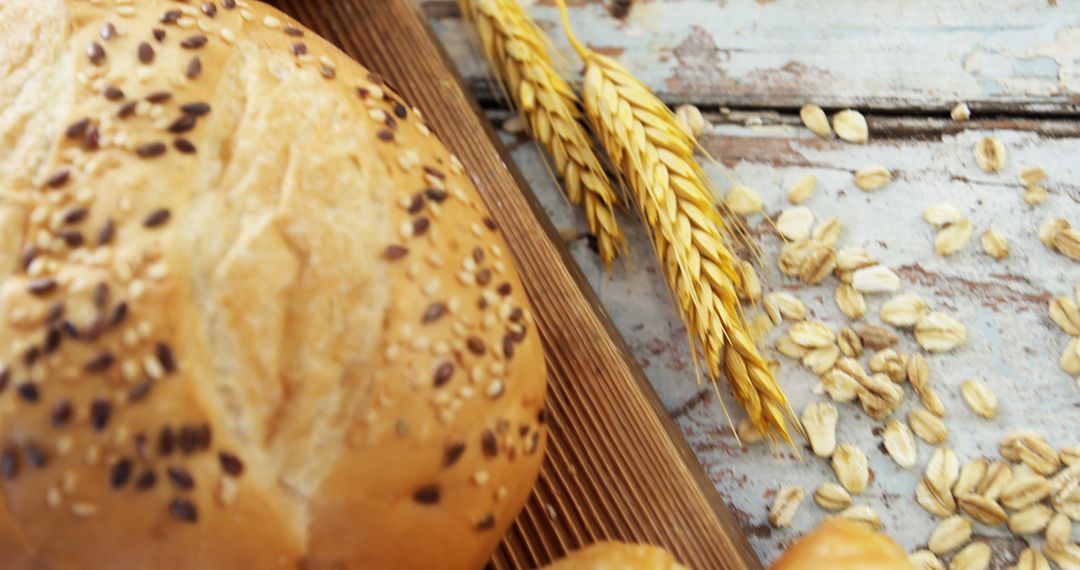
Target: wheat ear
{"x": 518, "y": 52}
{"x": 656, "y": 157}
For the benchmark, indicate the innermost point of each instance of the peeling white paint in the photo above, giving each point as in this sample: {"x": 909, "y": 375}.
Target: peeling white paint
{"x": 1065, "y": 50}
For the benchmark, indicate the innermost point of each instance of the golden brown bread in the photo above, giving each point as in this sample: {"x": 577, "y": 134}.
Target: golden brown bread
{"x": 618, "y": 556}
{"x": 252, "y": 313}
{"x": 840, "y": 544}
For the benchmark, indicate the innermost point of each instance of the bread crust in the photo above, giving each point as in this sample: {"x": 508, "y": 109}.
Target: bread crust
{"x": 252, "y": 312}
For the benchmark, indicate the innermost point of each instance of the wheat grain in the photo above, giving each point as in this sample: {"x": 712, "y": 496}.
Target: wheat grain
{"x": 674, "y": 199}
{"x": 518, "y": 53}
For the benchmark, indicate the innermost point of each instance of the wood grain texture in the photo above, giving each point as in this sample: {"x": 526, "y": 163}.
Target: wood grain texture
{"x": 617, "y": 467}
{"x": 1017, "y": 56}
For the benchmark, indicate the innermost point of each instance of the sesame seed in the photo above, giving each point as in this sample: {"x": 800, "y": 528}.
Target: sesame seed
{"x": 159, "y": 97}
{"x": 415, "y": 204}
{"x": 166, "y": 441}
{"x": 145, "y": 481}
{"x": 490, "y": 223}
{"x": 228, "y": 4}
{"x": 108, "y": 32}
{"x": 184, "y": 146}
{"x": 151, "y": 150}
{"x": 434, "y": 312}
{"x": 209, "y": 8}
{"x": 100, "y": 411}
{"x": 299, "y": 48}
{"x": 489, "y": 444}
{"x": 101, "y": 295}
{"x": 84, "y": 509}
{"x": 95, "y": 53}
{"x": 118, "y": 313}
{"x": 483, "y": 277}
{"x": 427, "y": 495}
{"x": 5, "y": 377}
{"x": 184, "y": 124}
{"x": 475, "y": 345}
{"x": 139, "y": 391}
{"x": 443, "y": 374}
{"x": 146, "y": 53}
{"x": 166, "y": 357}
{"x": 28, "y": 392}
{"x": 53, "y": 497}
{"x": 184, "y": 510}
{"x": 193, "y": 68}
{"x": 231, "y": 464}
{"x": 504, "y": 289}
{"x": 495, "y": 389}
{"x": 93, "y": 329}
{"x": 120, "y": 473}
{"x": 271, "y": 22}
{"x": 385, "y": 135}
{"x": 395, "y": 252}
{"x": 228, "y": 35}
{"x": 58, "y": 179}
{"x": 420, "y": 226}
{"x": 194, "y": 42}
{"x": 106, "y": 233}
{"x": 453, "y": 453}
{"x": 127, "y": 109}
{"x": 52, "y": 341}
{"x": 157, "y": 218}
{"x": 180, "y": 478}
{"x": 293, "y": 31}
{"x": 159, "y": 35}
{"x": 78, "y": 129}
{"x": 71, "y": 238}
{"x": 486, "y": 523}
{"x": 327, "y": 71}
{"x": 197, "y": 109}
{"x": 100, "y": 362}
{"x": 508, "y": 347}
{"x": 74, "y": 215}
{"x": 171, "y": 17}
{"x": 91, "y": 140}
{"x": 31, "y": 356}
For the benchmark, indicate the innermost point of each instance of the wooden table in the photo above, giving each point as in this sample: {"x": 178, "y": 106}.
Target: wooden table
{"x": 751, "y": 65}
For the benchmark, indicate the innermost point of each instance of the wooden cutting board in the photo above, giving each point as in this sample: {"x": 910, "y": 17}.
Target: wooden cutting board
{"x": 617, "y": 467}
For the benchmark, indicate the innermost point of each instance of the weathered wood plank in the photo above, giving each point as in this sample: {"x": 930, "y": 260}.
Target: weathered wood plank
{"x": 1015, "y": 56}
{"x": 1012, "y": 345}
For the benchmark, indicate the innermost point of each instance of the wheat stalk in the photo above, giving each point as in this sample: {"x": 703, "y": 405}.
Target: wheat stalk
{"x": 656, "y": 158}
{"x": 518, "y": 53}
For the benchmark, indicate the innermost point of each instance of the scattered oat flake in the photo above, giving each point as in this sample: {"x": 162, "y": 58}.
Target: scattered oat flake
{"x": 990, "y": 154}
{"x": 938, "y": 332}
{"x": 872, "y": 177}
{"x": 851, "y": 126}
{"x": 788, "y": 500}
{"x": 953, "y": 238}
{"x": 1031, "y": 175}
{"x": 960, "y": 113}
{"x": 795, "y": 223}
{"x": 803, "y": 188}
{"x": 994, "y": 244}
{"x": 814, "y": 118}
{"x": 942, "y": 214}
{"x": 875, "y": 279}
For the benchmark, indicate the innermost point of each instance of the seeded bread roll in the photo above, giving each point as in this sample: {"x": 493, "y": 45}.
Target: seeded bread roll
{"x": 252, "y": 313}
{"x": 840, "y": 544}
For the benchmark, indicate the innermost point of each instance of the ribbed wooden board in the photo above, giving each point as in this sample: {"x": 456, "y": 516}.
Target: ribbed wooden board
{"x": 617, "y": 468}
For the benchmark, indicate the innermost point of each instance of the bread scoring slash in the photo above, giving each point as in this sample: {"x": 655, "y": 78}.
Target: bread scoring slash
{"x": 252, "y": 312}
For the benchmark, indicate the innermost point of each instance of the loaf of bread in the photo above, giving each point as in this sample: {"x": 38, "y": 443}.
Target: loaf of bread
{"x": 252, "y": 313}
{"x": 840, "y": 544}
